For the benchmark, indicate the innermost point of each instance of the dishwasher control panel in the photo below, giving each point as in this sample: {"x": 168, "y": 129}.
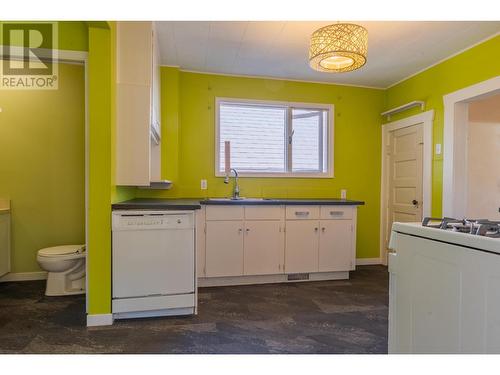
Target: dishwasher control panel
{"x": 147, "y": 220}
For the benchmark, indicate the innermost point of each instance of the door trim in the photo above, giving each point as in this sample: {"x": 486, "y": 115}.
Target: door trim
{"x": 426, "y": 119}
{"x": 456, "y": 120}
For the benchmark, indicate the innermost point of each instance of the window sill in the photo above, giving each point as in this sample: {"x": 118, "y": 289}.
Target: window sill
{"x": 280, "y": 175}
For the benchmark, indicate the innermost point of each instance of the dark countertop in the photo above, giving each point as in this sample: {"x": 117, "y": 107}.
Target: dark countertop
{"x": 195, "y": 203}
{"x": 290, "y": 202}
{"x": 157, "y": 204}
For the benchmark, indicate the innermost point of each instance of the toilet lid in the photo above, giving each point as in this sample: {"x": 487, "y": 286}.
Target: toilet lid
{"x": 62, "y": 250}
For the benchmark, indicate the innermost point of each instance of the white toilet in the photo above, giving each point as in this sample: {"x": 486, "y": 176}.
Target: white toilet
{"x": 66, "y": 269}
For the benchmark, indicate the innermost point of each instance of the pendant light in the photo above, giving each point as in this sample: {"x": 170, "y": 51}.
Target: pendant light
{"x": 337, "y": 48}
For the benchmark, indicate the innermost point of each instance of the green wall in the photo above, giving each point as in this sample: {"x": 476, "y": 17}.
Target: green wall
{"x": 188, "y": 119}
{"x": 72, "y": 35}
{"x": 99, "y": 193}
{"x": 42, "y": 165}
{"x": 472, "y": 66}
{"x": 102, "y": 190}
{"x": 42, "y": 140}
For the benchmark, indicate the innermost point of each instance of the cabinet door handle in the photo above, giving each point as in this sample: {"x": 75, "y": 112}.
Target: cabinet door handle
{"x": 240, "y": 230}
{"x": 336, "y": 213}
{"x": 301, "y": 213}
{"x": 247, "y": 230}
{"x": 323, "y": 229}
{"x": 316, "y": 229}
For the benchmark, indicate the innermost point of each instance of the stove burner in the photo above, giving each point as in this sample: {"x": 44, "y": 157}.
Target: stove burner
{"x": 478, "y": 227}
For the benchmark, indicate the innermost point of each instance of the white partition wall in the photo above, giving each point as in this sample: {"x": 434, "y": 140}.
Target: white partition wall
{"x": 456, "y": 119}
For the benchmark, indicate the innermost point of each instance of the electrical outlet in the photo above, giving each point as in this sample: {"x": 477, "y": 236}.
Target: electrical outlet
{"x": 343, "y": 194}
{"x": 203, "y": 185}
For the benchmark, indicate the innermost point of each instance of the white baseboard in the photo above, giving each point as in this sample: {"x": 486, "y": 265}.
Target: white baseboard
{"x": 95, "y": 320}
{"x": 24, "y": 276}
{"x": 367, "y": 261}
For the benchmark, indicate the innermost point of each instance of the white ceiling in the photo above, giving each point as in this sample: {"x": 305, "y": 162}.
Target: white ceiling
{"x": 396, "y": 50}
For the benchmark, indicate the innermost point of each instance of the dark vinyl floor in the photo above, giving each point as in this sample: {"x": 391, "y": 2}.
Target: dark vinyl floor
{"x": 345, "y": 316}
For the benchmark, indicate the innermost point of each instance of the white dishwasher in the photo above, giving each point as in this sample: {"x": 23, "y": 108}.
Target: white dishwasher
{"x": 153, "y": 263}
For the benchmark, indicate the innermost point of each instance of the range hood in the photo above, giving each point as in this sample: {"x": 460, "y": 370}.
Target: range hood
{"x": 158, "y": 185}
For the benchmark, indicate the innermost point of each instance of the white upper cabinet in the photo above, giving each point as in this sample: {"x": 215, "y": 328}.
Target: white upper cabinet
{"x": 138, "y": 129}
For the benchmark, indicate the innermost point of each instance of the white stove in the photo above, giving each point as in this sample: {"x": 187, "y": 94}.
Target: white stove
{"x": 478, "y": 227}
{"x": 476, "y": 234}
{"x": 444, "y": 293}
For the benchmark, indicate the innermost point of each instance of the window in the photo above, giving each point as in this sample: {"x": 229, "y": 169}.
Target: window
{"x": 275, "y": 139}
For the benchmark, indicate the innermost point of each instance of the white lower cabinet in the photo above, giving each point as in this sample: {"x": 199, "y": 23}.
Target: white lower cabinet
{"x": 276, "y": 240}
{"x": 335, "y": 246}
{"x": 302, "y": 243}
{"x": 224, "y": 248}
{"x": 263, "y": 248}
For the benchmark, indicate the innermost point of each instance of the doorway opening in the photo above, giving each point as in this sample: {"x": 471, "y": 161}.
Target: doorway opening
{"x": 457, "y": 164}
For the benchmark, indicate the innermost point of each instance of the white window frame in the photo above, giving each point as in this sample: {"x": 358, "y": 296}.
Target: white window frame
{"x": 299, "y": 105}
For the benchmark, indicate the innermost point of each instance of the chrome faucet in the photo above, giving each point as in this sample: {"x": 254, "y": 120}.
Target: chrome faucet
{"x": 236, "y": 187}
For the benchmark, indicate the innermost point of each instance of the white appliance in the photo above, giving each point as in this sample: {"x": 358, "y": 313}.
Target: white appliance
{"x": 444, "y": 288}
{"x": 153, "y": 263}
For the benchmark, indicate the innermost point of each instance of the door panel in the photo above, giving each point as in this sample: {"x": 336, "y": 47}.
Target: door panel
{"x": 405, "y": 176}
{"x": 335, "y": 246}
{"x": 224, "y": 248}
{"x": 302, "y": 242}
{"x": 264, "y": 247}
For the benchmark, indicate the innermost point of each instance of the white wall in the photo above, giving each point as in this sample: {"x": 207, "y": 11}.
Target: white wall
{"x": 483, "y": 159}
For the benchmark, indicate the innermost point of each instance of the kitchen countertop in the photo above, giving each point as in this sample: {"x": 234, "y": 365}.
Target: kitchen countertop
{"x": 158, "y": 204}
{"x": 4, "y": 205}
{"x": 290, "y": 202}
{"x": 195, "y": 203}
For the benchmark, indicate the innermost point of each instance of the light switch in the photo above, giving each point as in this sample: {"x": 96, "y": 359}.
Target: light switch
{"x": 438, "y": 148}
{"x": 203, "y": 184}
{"x": 343, "y": 194}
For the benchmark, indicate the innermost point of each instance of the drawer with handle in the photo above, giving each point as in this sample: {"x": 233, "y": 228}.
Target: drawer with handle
{"x": 336, "y": 212}
{"x": 302, "y": 212}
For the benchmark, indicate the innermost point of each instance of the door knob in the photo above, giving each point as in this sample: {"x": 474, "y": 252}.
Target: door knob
{"x": 415, "y": 202}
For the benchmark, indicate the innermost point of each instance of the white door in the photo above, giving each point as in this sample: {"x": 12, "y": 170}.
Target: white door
{"x": 264, "y": 247}
{"x": 335, "y": 246}
{"x": 405, "y": 176}
{"x": 224, "y": 248}
{"x": 302, "y": 242}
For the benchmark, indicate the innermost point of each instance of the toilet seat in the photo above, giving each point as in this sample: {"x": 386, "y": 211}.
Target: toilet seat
{"x": 64, "y": 251}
